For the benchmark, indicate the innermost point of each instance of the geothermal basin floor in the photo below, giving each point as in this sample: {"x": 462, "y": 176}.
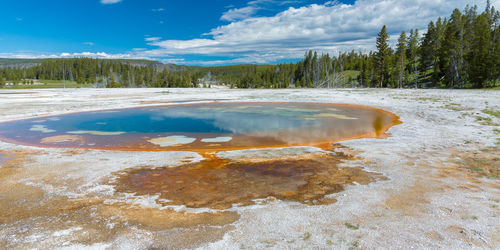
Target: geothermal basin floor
{"x": 433, "y": 183}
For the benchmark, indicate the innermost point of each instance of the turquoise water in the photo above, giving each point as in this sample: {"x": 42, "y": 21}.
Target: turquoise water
{"x": 168, "y": 119}
{"x": 265, "y": 121}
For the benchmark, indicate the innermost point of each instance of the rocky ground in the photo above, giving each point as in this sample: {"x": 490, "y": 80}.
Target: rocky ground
{"x": 441, "y": 185}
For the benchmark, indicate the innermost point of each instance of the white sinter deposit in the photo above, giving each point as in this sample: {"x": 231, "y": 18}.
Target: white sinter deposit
{"x": 427, "y": 201}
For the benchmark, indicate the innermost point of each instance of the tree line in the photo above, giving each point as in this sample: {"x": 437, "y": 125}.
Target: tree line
{"x": 102, "y": 73}
{"x": 462, "y": 51}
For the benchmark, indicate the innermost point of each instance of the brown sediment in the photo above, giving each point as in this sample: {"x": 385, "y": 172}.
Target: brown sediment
{"x": 435, "y": 236}
{"x": 30, "y": 202}
{"x": 474, "y": 166}
{"x": 162, "y": 219}
{"x": 94, "y": 221}
{"x": 18, "y": 93}
{"x": 411, "y": 202}
{"x": 219, "y": 184}
{"x": 189, "y": 238}
{"x": 153, "y": 102}
{"x": 98, "y": 222}
{"x": 27, "y": 201}
{"x": 470, "y": 171}
{"x": 29, "y": 211}
{"x": 11, "y": 160}
{"x": 63, "y": 138}
{"x": 485, "y": 163}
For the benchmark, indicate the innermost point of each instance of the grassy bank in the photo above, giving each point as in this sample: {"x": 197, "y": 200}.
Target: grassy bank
{"x": 50, "y": 84}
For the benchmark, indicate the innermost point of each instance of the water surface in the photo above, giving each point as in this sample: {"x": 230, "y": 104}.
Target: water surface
{"x": 202, "y": 127}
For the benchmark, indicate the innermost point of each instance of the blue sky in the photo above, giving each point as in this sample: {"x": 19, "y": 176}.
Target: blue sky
{"x": 206, "y": 32}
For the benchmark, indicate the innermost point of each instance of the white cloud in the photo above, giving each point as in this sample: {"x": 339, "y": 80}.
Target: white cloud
{"x": 239, "y": 14}
{"x": 173, "y": 61}
{"x": 102, "y": 55}
{"x": 158, "y": 10}
{"x": 89, "y": 43}
{"x": 110, "y": 1}
{"x": 97, "y": 55}
{"x": 328, "y": 28}
{"x": 152, "y": 39}
{"x": 235, "y": 14}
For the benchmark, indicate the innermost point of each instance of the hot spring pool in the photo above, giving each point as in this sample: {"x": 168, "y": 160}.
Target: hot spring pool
{"x": 202, "y": 127}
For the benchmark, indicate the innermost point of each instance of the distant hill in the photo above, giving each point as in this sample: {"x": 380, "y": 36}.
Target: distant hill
{"x": 4, "y": 61}
{"x": 19, "y": 63}
{"x": 28, "y": 63}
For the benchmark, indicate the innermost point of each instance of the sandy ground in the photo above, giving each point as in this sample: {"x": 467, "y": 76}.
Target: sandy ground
{"x": 441, "y": 189}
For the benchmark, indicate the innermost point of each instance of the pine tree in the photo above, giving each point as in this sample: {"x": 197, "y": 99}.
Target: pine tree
{"x": 495, "y": 52}
{"x": 381, "y": 56}
{"x": 478, "y": 57}
{"x": 427, "y": 49}
{"x": 412, "y": 50}
{"x": 401, "y": 58}
{"x": 2, "y": 81}
{"x": 440, "y": 30}
{"x": 450, "y": 57}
